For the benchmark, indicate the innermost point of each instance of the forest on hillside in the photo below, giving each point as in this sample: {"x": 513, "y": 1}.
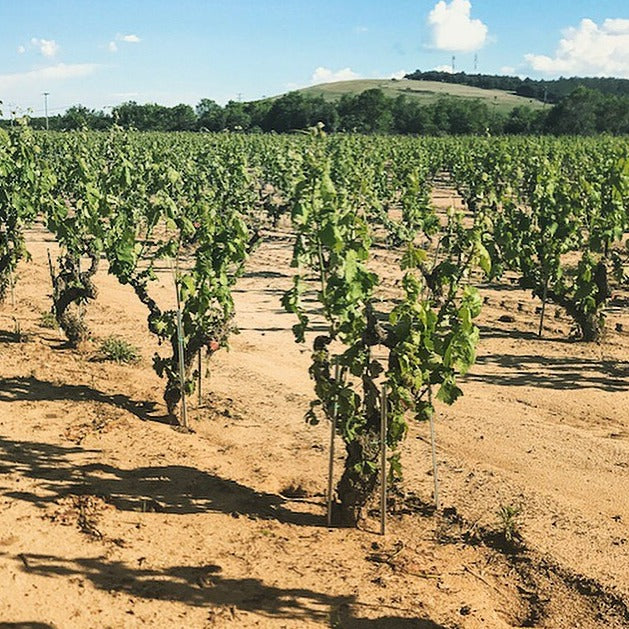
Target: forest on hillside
{"x": 545, "y": 90}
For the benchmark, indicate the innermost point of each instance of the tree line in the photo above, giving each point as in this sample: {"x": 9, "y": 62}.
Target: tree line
{"x": 545, "y": 90}
{"x": 583, "y": 112}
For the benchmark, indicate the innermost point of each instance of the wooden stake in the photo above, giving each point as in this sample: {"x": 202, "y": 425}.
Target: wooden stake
{"x": 81, "y": 304}
{"x": 199, "y": 365}
{"x": 541, "y": 318}
{"x": 383, "y": 460}
{"x": 52, "y": 270}
{"x": 332, "y": 435}
{"x": 12, "y": 286}
{"x": 180, "y": 356}
{"x": 433, "y": 448}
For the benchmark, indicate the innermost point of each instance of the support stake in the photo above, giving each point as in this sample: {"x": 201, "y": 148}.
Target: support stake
{"x": 433, "y": 448}
{"x": 332, "y": 435}
{"x": 12, "y": 287}
{"x": 199, "y": 365}
{"x": 541, "y": 318}
{"x": 180, "y": 356}
{"x": 383, "y": 460}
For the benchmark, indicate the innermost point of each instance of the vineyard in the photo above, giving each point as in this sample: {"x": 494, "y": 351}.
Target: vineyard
{"x": 230, "y": 362}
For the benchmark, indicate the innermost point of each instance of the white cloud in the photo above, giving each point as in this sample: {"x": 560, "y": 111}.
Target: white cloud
{"x": 57, "y": 72}
{"x": 507, "y": 70}
{"x": 454, "y": 29}
{"x": 589, "y": 49}
{"x": 443, "y": 68}
{"x": 400, "y": 74}
{"x": 361, "y": 29}
{"x": 47, "y": 47}
{"x": 130, "y": 39}
{"x": 21, "y": 50}
{"x": 112, "y": 46}
{"x": 325, "y": 75}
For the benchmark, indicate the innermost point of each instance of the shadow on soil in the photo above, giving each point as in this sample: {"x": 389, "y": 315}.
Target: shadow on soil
{"x": 554, "y": 372}
{"x": 311, "y": 328}
{"x": 32, "y": 389}
{"x": 266, "y": 274}
{"x": 206, "y": 586}
{"x": 25, "y": 625}
{"x": 8, "y": 336}
{"x": 495, "y": 332}
{"x": 179, "y": 489}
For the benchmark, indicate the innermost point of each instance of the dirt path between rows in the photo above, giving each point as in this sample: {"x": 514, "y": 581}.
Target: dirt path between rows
{"x": 110, "y": 518}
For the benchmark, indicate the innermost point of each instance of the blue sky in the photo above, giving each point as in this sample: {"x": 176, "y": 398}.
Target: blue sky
{"x": 101, "y": 53}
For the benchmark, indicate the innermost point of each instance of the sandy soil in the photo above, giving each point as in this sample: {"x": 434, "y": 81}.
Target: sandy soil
{"x": 110, "y": 518}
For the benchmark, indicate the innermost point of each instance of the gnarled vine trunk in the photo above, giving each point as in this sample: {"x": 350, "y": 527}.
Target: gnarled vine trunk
{"x": 590, "y": 323}
{"x": 359, "y": 479}
{"x": 71, "y": 287}
{"x": 361, "y": 472}
{"x": 192, "y": 346}
{"x": 208, "y": 338}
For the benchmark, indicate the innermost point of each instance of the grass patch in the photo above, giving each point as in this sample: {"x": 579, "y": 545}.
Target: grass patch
{"x": 118, "y": 350}
{"x": 48, "y": 320}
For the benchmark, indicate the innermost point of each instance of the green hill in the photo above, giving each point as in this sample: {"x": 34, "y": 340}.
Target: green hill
{"x": 425, "y": 91}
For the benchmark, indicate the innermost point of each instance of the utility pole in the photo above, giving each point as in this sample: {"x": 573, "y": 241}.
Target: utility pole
{"x": 475, "y": 62}
{"x": 46, "y": 94}
{"x": 453, "y": 59}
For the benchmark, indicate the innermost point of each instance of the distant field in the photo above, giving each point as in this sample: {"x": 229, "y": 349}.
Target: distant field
{"x": 426, "y": 91}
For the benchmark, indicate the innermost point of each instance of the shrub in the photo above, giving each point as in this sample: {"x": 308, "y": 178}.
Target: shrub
{"x": 47, "y": 320}
{"x": 117, "y": 349}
